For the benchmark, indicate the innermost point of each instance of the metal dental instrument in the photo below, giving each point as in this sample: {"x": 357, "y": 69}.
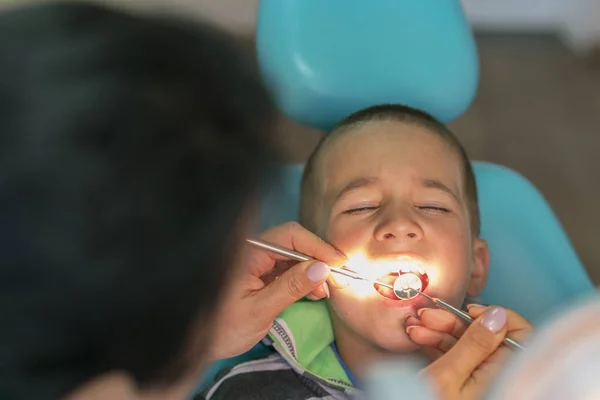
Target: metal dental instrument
{"x": 512, "y": 344}
{"x": 294, "y": 255}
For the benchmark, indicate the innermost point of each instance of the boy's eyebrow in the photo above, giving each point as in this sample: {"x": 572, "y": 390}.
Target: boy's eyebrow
{"x": 357, "y": 183}
{"x": 435, "y": 184}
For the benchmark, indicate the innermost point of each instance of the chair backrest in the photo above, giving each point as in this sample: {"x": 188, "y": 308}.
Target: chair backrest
{"x": 325, "y": 59}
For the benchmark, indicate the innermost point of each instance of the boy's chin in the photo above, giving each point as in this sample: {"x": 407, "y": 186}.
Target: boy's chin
{"x": 395, "y": 343}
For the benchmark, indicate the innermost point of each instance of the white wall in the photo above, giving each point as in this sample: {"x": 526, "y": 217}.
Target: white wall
{"x": 514, "y": 15}
{"x": 576, "y": 21}
{"x": 581, "y": 28}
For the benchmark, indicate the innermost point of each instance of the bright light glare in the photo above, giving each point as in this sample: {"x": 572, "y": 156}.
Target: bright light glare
{"x": 374, "y": 269}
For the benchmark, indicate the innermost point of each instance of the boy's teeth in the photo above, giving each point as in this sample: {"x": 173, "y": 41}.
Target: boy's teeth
{"x": 411, "y": 268}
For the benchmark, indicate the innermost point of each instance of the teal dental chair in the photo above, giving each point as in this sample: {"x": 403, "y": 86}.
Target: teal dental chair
{"x": 324, "y": 59}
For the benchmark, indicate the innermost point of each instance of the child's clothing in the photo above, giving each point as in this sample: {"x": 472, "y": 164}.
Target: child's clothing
{"x": 305, "y": 364}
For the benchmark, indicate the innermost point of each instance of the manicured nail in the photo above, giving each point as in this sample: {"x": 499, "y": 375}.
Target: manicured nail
{"x": 494, "y": 319}
{"x": 410, "y": 315}
{"x": 326, "y": 289}
{"x": 421, "y": 311}
{"x": 473, "y": 305}
{"x": 412, "y": 320}
{"x": 317, "y": 271}
{"x": 345, "y": 257}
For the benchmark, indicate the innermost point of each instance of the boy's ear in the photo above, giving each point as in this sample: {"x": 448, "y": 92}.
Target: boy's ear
{"x": 481, "y": 266}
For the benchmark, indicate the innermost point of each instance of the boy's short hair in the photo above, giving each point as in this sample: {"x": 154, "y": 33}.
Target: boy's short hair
{"x": 386, "y": 112}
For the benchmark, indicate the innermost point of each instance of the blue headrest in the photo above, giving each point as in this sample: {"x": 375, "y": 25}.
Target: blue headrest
{"x": 325, "y": 59}
{"x": 534, "y": 268}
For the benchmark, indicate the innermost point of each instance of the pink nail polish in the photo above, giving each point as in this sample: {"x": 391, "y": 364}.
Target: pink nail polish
{"x": 469, "y": 306}
{"x": 421, "y": 311}
{"x": 345, "y": 257}
{"x": 409, "y": 328}
{"x": 317, "y": 271}
{"x": 326, "y": 289}
{"x": 494, "y": 319}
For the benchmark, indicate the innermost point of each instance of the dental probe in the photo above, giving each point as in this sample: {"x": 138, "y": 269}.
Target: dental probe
{"x": 512, "y": 344}
{"x": 294, "y": 255}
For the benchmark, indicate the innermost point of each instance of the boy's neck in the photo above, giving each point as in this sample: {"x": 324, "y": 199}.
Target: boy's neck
{"x": 357, "y": 353}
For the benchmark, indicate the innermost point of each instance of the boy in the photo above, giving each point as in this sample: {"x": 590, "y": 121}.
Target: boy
{"x": 391, "y": 185}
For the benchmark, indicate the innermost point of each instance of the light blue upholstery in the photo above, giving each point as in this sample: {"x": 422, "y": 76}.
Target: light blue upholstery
{"x": 325, "y": 59}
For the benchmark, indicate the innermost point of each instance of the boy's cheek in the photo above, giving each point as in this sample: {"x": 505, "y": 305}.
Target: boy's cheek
{"x": 348, "y": 240}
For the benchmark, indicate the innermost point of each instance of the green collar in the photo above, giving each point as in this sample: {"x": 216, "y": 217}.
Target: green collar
{"x": 303, "y": 334}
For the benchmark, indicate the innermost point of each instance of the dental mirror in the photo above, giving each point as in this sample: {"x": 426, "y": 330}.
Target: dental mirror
{"x": 407, "y": 286}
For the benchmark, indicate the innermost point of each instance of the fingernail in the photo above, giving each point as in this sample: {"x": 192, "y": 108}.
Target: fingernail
{"x": 410, "y": 315}
{"x": 326, "y": 289}
{"x": 317, "y": 271}
{"x": 421, "y": 311}
{"x": 473, "y": 305}
{"x": 342, "y": 254}
{"x": 409, "y": 328}
{"x": 494, "y": 319}
{"x": 412, "y": 320}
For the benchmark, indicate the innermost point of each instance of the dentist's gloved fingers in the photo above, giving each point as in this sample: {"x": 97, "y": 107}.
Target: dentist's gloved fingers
{"x": 294, "y": 236}
{"x": 430, "y": 338}
{"x": 294, "y": 284}
{"x": 336, "y": 281}
{"x": 321, "y": 292}
{"x": 440, "y": 320}
{"x": 412, "y": 320}
{"x": 250, "y": 306}
{"x": 466, "y": 369}
{"x": 518, "y": 327}
{"x": 266, "y": 284}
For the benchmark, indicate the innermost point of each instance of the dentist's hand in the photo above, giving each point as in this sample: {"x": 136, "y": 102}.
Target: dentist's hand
{"x": 468, "y": 358}
{"x": 267, "y": 283}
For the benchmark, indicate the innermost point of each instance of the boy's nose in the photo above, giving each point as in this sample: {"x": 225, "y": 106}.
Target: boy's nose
{"x": 400, "y": 227}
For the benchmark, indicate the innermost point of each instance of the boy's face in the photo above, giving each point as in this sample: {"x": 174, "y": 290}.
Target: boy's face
{"x": 393, "y": 194}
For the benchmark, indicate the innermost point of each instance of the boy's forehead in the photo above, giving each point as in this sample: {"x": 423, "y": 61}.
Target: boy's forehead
{"x": 389, "y": 149}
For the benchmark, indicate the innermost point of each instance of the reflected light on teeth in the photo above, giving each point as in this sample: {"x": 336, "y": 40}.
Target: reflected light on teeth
{"x": 375, "y": 269}
{"x": 410, "y": 267}
{"x": 407, "y": 286}
{"x": 360, "y": 263}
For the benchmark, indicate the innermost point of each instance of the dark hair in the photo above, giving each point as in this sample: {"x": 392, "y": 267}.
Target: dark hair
{"x": 387, "y": 112}
{"x": 130, "y": 147}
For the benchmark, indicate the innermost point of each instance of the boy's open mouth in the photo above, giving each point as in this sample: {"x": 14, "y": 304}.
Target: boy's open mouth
{"x": 391, "y": 278}
{"x": 387, "y": 292}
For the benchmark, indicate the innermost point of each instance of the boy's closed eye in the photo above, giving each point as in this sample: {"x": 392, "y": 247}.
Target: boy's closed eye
{"x": 360, "y": 210}
{"x": 426, "y": 208}
{"x": 435, "y": 209}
